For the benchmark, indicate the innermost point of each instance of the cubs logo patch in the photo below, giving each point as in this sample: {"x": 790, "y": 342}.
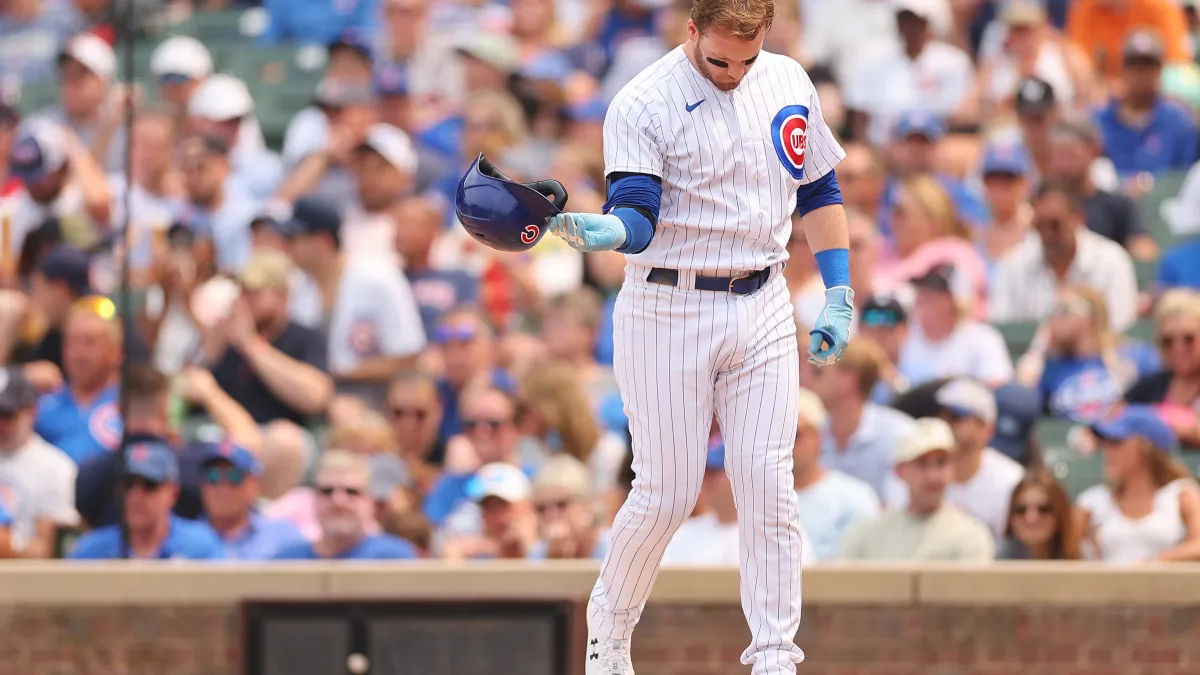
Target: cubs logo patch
{"x": 105, "y": 425}
{"x": 362, "y": 338}
{"x": 789, "y": 133}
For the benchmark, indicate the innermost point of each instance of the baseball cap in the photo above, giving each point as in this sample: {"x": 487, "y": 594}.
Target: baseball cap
{"x": 16, "y": 391}
{"x": 335, "y": 94}
{"x": 882, "y": 311}
{"x": 927, "y": 435}
{"x": 311, "y": 215}
{"x": 234, "y": 454}
{"x": 181, "y": 58}
{"x": 497, "y": 50}
{"x": 966, "y": 397}
{"x": 39, "y": 149}
{"x": 221, "y": 98}
{"x": 1006, "y": 158}
{"x": 923, "y": 9}
{"x": 811, "y": 410}
{"x": 1077, "y": 128}
{"x": 152, "y": 460}
{"x": 919, "y": 123}
{"x": 1034, "y": 96}
{"x": 352, "y": 41}
{"x": 1017, "y": 410}
{"x": 1138, "y": 420}
{"x": 562, "y": 472}
{"x": 938, "y": 278}
{"x": 1023, "y": 13}
{"x": 391, "y": 80}
{"x": 591, "y": 110}
{"x": 266, "y": 269}
{"x": 92, "y": 53}
{"x": 393, "y": 145}
{"x": 501, "y": 480}
{"x": 69, "y": 265}
{"x": 1143, "y": 45}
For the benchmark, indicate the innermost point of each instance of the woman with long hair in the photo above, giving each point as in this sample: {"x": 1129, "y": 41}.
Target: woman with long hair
{"x": 1040, "y": 524}
{"x": 1149, "y": 506}
{"x": 1175, "y": 390}
{"x": 1079, "y": 365}
{"x": 556, "y": 414}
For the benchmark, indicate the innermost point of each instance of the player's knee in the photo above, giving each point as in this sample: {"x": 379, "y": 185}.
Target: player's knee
{"x": 287, "y": 450}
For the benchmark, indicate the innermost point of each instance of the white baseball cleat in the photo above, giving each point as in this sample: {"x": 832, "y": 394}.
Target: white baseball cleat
{"x": 606, "y": 656}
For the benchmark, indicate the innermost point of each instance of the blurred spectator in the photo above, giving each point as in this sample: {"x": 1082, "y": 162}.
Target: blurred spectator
{"x": 863, "y": 178}
{"x": 179, "y": 64}
{"x": 883, "y": 319}
{"x": 343, "y": 506}
{"x": 1025, "y": 284}
{"x": 860, "y": 438}
{"x": 1176, "y": 389}
{"x": 364, "y": 305}
{"x": 1018, "y": 409}
{"x": 1101, "y": 27}
{"x": 151, "y": 486}
{"x": 1038, "y": 113}
{"x": 320, "y": 142}
{"x": 61, "y": 278}
{"x": 416, "y": 413}
{"x": 408, "y": 42}
{"x": 6, "y": 550}
{"x": 231, "y": 491}
{"x": 923, "y": 73}
{"x": 222, "y": 107}
{"x": 1079, "y": 366}
{"x": 1178, "y": 268}
{"x": 156, "y": 200}
{"x": 62, "y": 181}
{"x": 1144, "y": 133}
{"x": 570, "y": 326}
{"x": 830, "y": 501}
{"x": 1150, "y": 508}
{"x": 10, "y": 118}
{"x": 565, "y": 502}
{"x": 32, "y": 33}
{"x": 556, "y": 414}
{"x": 37, "y": 480}
{"x": 944, "y": 341}
{"x": 928, "y": 529}
{"x": 468, "y": 353}
{"x": 90, "y": 104}
{"x": 217, "y": 209}
{"x": 982, "y": 479}
{"x": 1074, "y": 146}
{"x": 492, "y": 124}
{"x": 1040, "y": 524}
{"x": 437, "y": 290}
{"x": 302, "y": 22}
{"x": 489, "y": 436}
{"x": 634, "y": 54}
{"x": 82, "y": 418}
{"x": 508, "y": 525}
{"x": 383, "y": 167}
{"x": 866, "y": 252}
{"x": 1006, "y": 169}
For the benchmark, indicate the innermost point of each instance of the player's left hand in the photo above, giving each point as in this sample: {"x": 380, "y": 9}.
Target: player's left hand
{"x": 589, "y": 232}
{"x": 831, "y": 331}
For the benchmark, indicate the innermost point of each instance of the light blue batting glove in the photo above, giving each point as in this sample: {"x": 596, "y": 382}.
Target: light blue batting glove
{"x": 831, "y": 331}
{"x": 589, "y": 232}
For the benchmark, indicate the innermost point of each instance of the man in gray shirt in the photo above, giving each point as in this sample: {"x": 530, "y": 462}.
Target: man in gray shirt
{"x": 88, "y": 102}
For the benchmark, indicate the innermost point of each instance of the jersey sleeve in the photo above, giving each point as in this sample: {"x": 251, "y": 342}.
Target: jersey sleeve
{"x": 632, "y": 142}
{"x": 824, "y": 151}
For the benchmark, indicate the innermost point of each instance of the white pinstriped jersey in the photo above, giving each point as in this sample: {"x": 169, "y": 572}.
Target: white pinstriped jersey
{"x": 730, "y": 162}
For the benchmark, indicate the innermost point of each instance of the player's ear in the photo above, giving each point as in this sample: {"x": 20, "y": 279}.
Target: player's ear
{"x": 693, "y": 32}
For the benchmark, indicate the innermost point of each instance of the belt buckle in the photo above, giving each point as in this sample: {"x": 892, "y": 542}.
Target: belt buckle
{"x": 736, "y": 279}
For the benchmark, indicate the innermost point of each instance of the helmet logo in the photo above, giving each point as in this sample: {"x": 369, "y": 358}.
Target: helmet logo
{"x": 530, "y": 234}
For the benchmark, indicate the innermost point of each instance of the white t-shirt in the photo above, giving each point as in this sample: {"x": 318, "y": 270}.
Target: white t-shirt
{"x": 985, "y": 496}
{"x": 973, "y": 349}
{"x": 1121, "y": 539}
{"x": 704, "y": 541}
{"x": 37, "y": 483}
{"x": 369, "y": 234}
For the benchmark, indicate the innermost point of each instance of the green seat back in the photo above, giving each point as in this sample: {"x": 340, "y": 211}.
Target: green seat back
{"x": 1017, "y": 336}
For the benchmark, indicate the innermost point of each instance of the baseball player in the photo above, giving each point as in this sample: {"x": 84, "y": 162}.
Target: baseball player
{"x": 708, "y": 152}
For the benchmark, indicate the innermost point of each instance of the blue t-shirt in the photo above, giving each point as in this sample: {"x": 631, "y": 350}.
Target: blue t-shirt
{"x": 262, "y": 540}
{"x": 318, "y": 22}
{"x": 81, "y": 432}
{"x": 451, "y": 420}
{"x": 438, "y": 291}
{"x": 372, "y": 547}
{"x": 1167, "y": 143}
{"x": 830, "y": 507}
{"x": 187, "y": 539}
{"x": 1083, "y": 389}
{"x": 1180, "y": 266}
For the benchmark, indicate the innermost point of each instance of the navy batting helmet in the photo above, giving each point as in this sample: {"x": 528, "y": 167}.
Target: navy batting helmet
{"x": 503, "y": 214}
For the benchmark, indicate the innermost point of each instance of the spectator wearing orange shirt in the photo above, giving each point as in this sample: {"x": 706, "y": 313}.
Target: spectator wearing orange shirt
{"x": 1100, "y": 28}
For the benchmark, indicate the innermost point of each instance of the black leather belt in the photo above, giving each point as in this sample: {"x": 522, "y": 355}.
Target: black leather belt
{"x": 744, "y": 284}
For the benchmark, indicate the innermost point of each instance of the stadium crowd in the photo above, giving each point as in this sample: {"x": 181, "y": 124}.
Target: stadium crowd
{"x": 317, "y": 362}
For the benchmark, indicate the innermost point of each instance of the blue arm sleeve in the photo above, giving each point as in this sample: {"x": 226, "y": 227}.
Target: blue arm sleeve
{"x": 821, "y": 192}
{"x": 635, "y": 199}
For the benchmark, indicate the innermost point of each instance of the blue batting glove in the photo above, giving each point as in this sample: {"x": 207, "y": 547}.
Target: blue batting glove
{"x": 831, "y": 331}
{"x": 589, "y": 232}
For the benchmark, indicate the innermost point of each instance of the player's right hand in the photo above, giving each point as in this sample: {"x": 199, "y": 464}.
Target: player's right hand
{"x": 831, "y": 331}
{"x": 589, "y": 232}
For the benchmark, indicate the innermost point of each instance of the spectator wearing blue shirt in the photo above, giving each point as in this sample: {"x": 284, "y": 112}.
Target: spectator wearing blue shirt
{"x": 1144, "y": 133}
{"x": 230, "y": 490}
{"x": 82, "y": 417}
{"x": 151, "y": 483}
{"x": 217, "y": 214}
{"x": 222, "y": 107}
{"x": 344, "y": 507}
{"x": 468, "y": 349}
{"x": 1179, "y": 267}
{"x": 301, "y": 22}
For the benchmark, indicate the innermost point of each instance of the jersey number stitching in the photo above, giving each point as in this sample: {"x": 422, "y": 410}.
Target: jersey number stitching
{"x": 789, "y": 133}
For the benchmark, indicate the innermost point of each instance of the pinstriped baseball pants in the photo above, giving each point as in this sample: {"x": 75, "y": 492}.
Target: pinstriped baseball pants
{"x": 681, "y": 355}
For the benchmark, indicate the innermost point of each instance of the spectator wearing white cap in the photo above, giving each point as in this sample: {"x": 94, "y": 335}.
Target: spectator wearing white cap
{"x": 928, "y": 528}
{"x": 503, "y": 495}
{"x": 62, "y": 180}
{"x": 319, "y": 144}
{"x": 830, "y": 501}
{"x": 983, "y": 478}
{"x": 179, "y": 64}
{"x": 223, "y": 107}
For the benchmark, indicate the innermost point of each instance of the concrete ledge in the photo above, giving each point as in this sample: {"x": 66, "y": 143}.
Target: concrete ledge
{"x": 1002, "y": 584}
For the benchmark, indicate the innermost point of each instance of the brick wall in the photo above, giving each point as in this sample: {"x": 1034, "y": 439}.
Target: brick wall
{"x": 672, "y": 640}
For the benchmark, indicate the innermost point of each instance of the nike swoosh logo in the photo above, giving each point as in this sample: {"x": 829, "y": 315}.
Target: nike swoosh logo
{"x": 695, "y": 105}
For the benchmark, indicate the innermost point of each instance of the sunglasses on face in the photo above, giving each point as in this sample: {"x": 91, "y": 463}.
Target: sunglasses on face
{"x": 1041, "y": 509}
{"x": 231, "y": 475}
{"x": 418, "y": 414}
{"x": 879, "y": 318}
{"x": 492, "y": 425}
{"x": 559, "y": 505}
{"x": 330, "y": 490}
{"x": 132, "y": 482}
{"x": 1167, "y": 340}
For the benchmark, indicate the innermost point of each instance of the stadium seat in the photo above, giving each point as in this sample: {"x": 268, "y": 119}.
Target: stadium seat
{"x": 1143, "y": 331}
{"x": 1017, "y": 336}
{"x": 1078, "y": 472}
{"x": 214, "y": 29}
{"x": 1165, "y": 186}
{"x": 1146, "y": 271}
{"x": 37, "y": 95}
{"x": 1191, "y": 459}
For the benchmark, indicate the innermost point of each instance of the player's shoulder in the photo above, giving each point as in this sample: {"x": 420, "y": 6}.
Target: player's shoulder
{"x": 646, "y": 89}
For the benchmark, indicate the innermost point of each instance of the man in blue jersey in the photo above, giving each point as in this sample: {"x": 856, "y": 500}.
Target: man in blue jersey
{"x": 151, "y": 483}
{"x": 230, "y": 489}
